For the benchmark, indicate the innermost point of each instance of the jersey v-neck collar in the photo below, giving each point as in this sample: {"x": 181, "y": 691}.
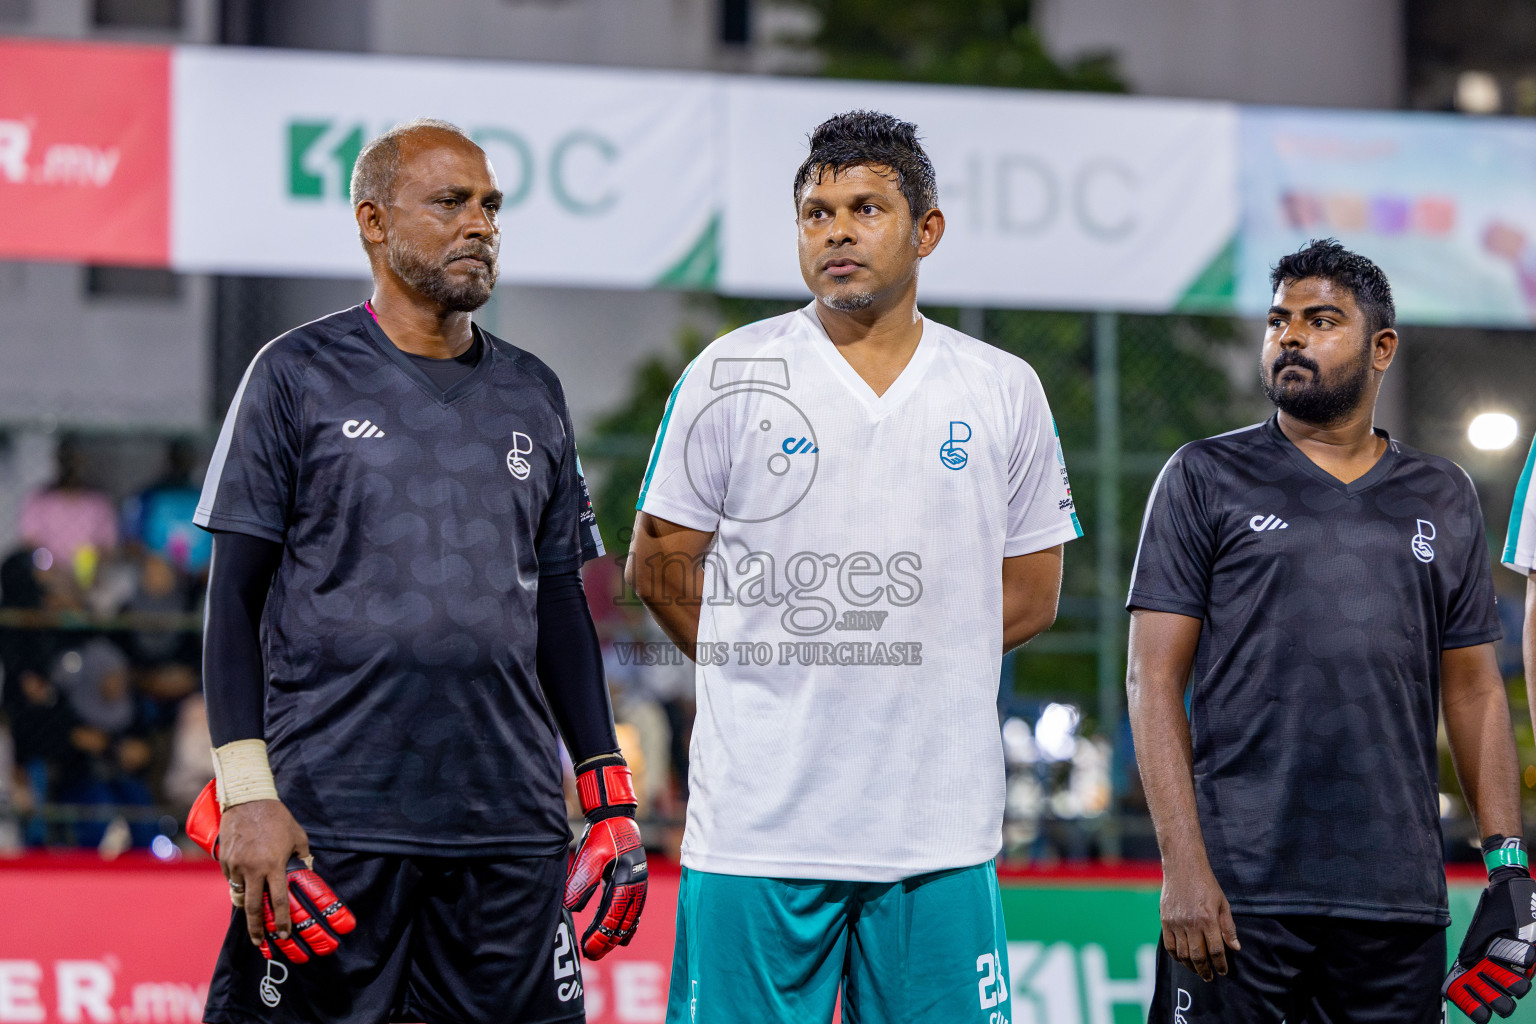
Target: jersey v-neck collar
{"x": 905, "y": 383}
{"x": 392, "y": 352}
{"x": 1370, "y": 478}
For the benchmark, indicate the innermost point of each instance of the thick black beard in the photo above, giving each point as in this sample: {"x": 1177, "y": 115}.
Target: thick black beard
{"x": 1319, "y": 402}
{"x": 431, "y": 279}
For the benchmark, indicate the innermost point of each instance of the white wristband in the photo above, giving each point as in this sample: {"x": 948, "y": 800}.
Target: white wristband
{"x": 243, "y": 773}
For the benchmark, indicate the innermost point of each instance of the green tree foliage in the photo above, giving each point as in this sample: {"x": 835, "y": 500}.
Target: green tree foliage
{"x": 955, "y": 42}
{"x": 621, "y": 440}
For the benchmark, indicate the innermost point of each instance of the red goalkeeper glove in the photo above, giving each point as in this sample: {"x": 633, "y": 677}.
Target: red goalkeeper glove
{"x": 609, "y": 854}
{"x": 319, "y": 916}
{"x": 1498, "y": 956}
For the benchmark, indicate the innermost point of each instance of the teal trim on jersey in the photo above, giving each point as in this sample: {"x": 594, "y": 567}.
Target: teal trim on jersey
{"x": 1517, "y": 514}
{"x": 1077, "y": 526}
{"x": 661, "y": 434}
{"x": 929, "y": 950}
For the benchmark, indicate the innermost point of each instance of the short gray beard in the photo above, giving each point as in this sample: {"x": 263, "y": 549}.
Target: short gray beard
{"x": 852, "y": 302}
{"x": 416, "y": 269}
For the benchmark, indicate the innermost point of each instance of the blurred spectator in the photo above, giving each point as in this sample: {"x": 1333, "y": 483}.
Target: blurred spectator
{"x": 75, "y": 524}
{"x": 164, "y": 659}
{"x": 14, "y": 795}
{"x": 94, "y": 679}
{"x": 51, "y": 744}
{"x": 160, "y": 517}
{"x": 21, "y": 646}
{"x": 191, "y": 754}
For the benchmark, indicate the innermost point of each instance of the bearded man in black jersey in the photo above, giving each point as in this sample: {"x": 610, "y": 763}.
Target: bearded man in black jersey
{"x": 397, "y": 635}
{"x": 1324, "y": 591}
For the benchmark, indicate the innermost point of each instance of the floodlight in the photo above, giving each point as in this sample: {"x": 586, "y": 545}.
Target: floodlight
{"x": 1492, "y": 431}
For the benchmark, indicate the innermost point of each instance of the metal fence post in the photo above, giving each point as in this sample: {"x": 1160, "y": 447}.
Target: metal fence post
{"x": 1106, "y": 526}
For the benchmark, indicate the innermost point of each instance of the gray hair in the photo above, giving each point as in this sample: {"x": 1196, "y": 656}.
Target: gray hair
{"x": 378, "y": 165}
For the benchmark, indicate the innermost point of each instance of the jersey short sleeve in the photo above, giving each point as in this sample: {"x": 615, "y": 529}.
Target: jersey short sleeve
{"x": 1041, "y": 513}
{"x": 689, "y": 470}
{"x": 567, "y": 537}
{"x": 1173, "y": 560}
{"x": 250, "y": 483}
{"x": 1520, "y": 541}
{"x": 1471, "y": 613}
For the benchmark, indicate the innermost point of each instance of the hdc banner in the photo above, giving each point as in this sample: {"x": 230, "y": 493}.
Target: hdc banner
{"x": 1052, "y": 200}
{"x": 609, "y": 176}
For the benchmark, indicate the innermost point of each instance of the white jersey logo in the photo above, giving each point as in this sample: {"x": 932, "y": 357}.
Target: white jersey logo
{"x": 1421, "y": 549}
{"x": 522, "y": 445}
{"x": 1261, "y": 522}
{"x": 269, "y": 993}
{"x": 361, "y": 428}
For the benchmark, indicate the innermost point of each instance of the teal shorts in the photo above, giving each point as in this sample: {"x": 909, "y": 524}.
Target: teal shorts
{"x": 927, "y": 950}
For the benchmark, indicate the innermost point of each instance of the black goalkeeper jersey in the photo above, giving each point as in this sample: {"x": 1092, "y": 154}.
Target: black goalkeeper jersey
{"x": 403, "y": 712}
{"x": 1316, "y": 685}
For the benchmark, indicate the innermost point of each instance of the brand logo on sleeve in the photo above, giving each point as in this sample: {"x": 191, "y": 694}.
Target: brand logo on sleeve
{"x": 950, "y": 453}
{"x": 361, "y": 428}
{"x": 522, "y": 445}
{"x": 1261, "y": 522}
{"x": 1421, "y": 549}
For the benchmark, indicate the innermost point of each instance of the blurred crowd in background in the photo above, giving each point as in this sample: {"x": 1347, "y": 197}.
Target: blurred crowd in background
{"x": 103, "y": 729}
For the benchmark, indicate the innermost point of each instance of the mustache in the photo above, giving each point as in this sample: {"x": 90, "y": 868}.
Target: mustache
{"x": 479, "y": 252}
{"x": 1294, "y": 358}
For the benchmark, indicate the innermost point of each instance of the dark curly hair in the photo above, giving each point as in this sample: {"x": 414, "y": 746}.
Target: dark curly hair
{"x": 1328, "y": 259}
{"x": 871, "y": 139}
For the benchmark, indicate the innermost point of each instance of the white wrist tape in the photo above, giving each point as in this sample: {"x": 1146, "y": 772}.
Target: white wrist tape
{"x": 243, "y": 773}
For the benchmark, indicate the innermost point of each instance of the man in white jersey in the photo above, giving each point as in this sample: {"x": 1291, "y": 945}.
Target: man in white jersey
{"x": 1520, "y": 555}
{"x": 850, "y": 513}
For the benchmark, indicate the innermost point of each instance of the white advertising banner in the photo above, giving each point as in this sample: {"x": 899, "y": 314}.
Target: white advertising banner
{"x": 1051, "y": 200}
{"x": 609, "y": 176}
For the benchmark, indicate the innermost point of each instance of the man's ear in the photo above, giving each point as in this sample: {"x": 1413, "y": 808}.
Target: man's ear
{"x": 929, "y": 230}
{"x": 1383, "y": 349}
{"x": 372, "y": 222}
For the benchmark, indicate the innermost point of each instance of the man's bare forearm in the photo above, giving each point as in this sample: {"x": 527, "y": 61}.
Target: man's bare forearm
{"x": 1528, "y": 647}
{"x": 1158, "y": 670}
{"x": 680, "y": 622}
{"x": 1031, "y": 594}
{"x": 1482, "y": 738}
{"x": 665, "y": 568}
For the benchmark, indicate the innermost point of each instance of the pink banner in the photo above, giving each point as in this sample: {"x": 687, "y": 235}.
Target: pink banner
{"x": 85, "y": 153}
{"x": 134, "y": 942}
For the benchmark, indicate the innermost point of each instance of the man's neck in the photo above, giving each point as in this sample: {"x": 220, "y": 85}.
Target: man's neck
{"x": 1347, "y": 449}
{"x": 878, "y": 341}
{"x": 419, "y": 328}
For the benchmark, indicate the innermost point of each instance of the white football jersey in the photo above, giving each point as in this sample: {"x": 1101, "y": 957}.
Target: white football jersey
{"x": 1520, "y": 541}
{"x": 850, "y": 632}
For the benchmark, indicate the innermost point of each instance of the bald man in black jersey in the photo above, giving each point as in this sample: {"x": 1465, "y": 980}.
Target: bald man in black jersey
{"x": 397, "y": 635}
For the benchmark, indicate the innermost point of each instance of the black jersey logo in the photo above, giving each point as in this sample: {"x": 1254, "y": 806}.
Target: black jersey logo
{"x": 268, "y": 987}
{"x": 522, "y": 445}
{"x": 361, "y": 428}
{"x": 1421, "y": 549}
